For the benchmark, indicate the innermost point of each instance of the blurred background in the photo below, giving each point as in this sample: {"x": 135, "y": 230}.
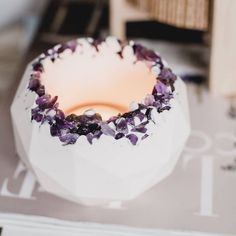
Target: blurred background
{"x": 196, "y": 37}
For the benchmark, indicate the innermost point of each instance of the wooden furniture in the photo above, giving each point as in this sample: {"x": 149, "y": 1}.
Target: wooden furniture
{"x": 120, "y": 12}
{"x": 189, "y": 14}
{"x": 223, "y": 49}
{"x": 221, "y": 22}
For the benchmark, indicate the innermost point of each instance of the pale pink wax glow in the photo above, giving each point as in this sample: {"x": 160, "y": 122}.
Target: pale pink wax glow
{"x": 105, "y": 83}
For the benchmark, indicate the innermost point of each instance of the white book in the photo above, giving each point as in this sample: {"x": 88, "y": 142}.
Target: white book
{"x": 197, "y": 198}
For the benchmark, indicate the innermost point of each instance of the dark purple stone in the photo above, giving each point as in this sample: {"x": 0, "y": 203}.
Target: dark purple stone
{"x": 140, "y": 129}
{"x": 167, "y": 76}
{"x": 83, "y": 129}
{"x": 96, "y": 43}
{"x": 151, "y": 55}
{"x": 37, "y": 66}
{"x": 141, "y": 106}
{"x": 165, "y": 108}
{"x": 36, "y": 114}
{"x": 71, "y": 118}
{"x": 94, "y": 127}
{"x": 144, "y": 136}
{"x": 119, "y": 136}
{"x": 54, "y": 130}
{"x": 141, "y": 116}
{"x": 41, "y": 90}
{"x": 148, "y": 113}
{"x": 45, "y": 101}
{"x": 132, "y": 138}
{"x": 142, "y": 53}
{"x": 34, "y": 84}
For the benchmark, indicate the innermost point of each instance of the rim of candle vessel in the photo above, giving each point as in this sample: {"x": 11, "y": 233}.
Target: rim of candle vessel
{"x": 69, "y": 128}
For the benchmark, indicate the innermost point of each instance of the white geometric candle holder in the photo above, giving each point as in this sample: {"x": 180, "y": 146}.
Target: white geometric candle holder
{"x": 93, "y": 159}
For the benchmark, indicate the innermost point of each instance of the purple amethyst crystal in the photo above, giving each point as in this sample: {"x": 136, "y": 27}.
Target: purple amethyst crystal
{"x": 37, "y": 66}
{"x": 167, "y": 77}
{"x": 140, "y": 129}
{"x": 71, "y": 118}
{"x": 54, "y": 130}
{"x": 160, "y": 88}
{"x": 34, "y": 85}
{"x": 132, "y": 138}
{"x": 121, "y": 126}
{"x": 36, "y": 114}
{"x": 83, "y": 129}
{"x": 46, "y": 101}
{"x": 144, "y": 136}
{"x": 107, "y": 130}
{"x": 143, "y": 53}
{"x": 69, "y": 138}
{"x": 141, "y": 116}
{"x": 41, "y": 90}
{"x": 70, "y": 45}
{"x": 91, "y": 136}
{"x": 119, "y": 136}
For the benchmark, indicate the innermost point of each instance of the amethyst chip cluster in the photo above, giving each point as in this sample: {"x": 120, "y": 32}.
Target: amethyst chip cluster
{"x": 90, "y": 124}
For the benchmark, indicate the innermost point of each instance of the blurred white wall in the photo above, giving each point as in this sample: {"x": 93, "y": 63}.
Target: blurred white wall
{"x": 14, "y": 10}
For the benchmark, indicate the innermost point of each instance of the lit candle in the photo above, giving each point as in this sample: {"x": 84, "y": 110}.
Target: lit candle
{"x": 103, "y": 82}
{"x": 106, "y": 110}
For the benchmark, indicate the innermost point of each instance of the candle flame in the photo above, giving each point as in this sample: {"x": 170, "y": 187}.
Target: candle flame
{"x": 106, "y": 110}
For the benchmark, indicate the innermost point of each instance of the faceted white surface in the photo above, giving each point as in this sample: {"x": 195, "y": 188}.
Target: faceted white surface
{"x": 108, "y": 170}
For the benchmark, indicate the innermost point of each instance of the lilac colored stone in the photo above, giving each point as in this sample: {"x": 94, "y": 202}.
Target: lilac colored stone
{"x": 132, "y": 138}
{"x": 72, "y": 45}
{"x": 160, "y": 88}
{"x": 46, "y": 101}
{"x": 69, "y": 138}
{"x": 167, "y": 76}
{"x": 43, "y": 99}
{"x": 141, "y": 116}
{"x": 140, "y": 129}
{"x": 121, "y": 125}
{"x": 149, "y": 100}
{"x": 107, "y": 130}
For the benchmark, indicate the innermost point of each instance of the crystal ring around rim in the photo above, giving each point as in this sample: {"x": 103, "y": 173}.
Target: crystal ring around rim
{"x": 68, "y": 128}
